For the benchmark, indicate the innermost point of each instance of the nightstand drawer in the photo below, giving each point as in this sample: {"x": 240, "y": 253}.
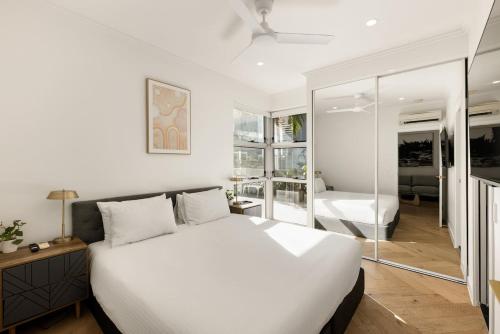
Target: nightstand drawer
{"x": 25, "y": 277}
{"x": 68, "y": 291}
{"x": 68, "y": 265}
{"x": 25, "y": 305}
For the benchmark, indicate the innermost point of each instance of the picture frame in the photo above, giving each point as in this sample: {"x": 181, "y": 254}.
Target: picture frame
{"x": 168, "y": 118}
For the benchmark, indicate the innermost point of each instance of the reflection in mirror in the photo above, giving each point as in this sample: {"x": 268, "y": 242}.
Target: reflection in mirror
{"x": 344, "y": 160}
{"x": 420, "y": 114}
{"x": 484, "y": 103}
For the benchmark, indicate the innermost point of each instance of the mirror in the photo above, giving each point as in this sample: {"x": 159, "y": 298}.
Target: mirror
{"x": 420, "y": 115}
{"x": 344, "y": 161}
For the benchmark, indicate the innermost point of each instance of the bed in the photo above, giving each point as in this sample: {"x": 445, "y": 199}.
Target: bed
{"x": 354, "y": 213}
{"x": 238, "y": 274}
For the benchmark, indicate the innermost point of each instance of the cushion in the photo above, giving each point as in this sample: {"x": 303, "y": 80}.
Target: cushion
{"x": 404, "y": 189}
{"x": 141, "y": 219}
{"x": 426, "y": 190}
{"x": 405, "y": 180}
{"x": 425, "y": 180}
{"x": 205, "y": 206}
{"x": 319, "y": 185}
{"x": 106, "y": 217}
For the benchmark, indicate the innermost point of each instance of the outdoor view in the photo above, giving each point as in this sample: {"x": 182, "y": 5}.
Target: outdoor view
{"x": 290, "y": 162}
{"x": 289, "y": 196}
{"x": 290, "y": 129}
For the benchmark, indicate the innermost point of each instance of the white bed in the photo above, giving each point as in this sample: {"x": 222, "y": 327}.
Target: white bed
{"x": 355, "y": 207}
{"x": 237, "y": 274}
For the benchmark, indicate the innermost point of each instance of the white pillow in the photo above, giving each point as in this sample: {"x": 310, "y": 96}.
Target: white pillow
{"x": 141, "y": 219}
{"x": 205, "y": 206}
{"x": 319, "y": 185}
{"x": 106, "y": 217}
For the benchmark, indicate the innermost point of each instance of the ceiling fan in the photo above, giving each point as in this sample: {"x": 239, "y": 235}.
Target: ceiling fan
{"x": 262, "y": 32}
{"x": 353, "y": 109}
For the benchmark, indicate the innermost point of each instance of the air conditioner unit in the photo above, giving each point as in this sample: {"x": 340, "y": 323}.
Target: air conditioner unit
{"x": 420, "y": 117}
{"x": 489, "y": 109}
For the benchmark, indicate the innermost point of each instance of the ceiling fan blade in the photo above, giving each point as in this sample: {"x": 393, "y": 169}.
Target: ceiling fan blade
{"x": 334, "y": 111}
{"x": 242, "y": 52}
{"x": 291, "y": 38}
{"x": 246, "y": 15}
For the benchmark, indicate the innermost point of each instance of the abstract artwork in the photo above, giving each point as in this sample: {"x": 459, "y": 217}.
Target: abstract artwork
{"x": 169, "y": 118}
{"x": 416, "y": 149}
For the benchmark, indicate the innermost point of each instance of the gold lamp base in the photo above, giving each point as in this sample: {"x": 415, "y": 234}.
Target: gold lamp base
{"x": 62, "y": 240}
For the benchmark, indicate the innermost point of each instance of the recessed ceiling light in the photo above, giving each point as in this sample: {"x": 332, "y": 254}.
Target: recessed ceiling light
{"x": 260, "y": 63}
{"x": 402, "y": 98}
{"x": 496, "y": 82}
{"x": 334, "y": 108}
{"x": 371, "y": 22}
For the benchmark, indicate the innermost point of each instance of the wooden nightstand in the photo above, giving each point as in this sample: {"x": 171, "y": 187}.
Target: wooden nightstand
{"x": 34, "y": 284}
{"x": 249, "y": 209}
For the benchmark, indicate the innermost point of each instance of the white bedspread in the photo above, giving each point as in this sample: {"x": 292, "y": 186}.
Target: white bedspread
{"x": 355, "y": 207}
{"x": 239, "y": 274}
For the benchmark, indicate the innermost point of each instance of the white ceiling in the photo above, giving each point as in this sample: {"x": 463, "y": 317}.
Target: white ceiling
{"x": 209, "y": 32}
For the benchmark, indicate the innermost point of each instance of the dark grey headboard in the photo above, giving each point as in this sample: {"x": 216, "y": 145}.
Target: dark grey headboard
{"x": 87, "y": 220}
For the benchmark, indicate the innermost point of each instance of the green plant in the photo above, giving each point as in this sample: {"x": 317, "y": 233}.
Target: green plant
{"x": 229, "y": 195}
{"x": 13, "y": 233}
{"x": 296, "y": 122}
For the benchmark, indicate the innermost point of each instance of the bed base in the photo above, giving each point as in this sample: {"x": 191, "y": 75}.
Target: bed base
{"x": 361, "y": 230}
{"x": 337, "y": 324}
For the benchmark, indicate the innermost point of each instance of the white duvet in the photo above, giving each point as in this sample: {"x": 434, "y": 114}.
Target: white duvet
{"x": 355, "y": 207}
{"x": 239, "y": 274}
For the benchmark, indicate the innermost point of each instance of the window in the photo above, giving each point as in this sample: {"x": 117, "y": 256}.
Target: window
{"x": 248, "y": 127}
{"x": 290, "y": 165}
{"x": 249, "y": 154}
{"x": 290, "y": 162}
{"x": 248, "y": 161}
{"x": 290, "y": 202}
{"x": 290, "y": 129}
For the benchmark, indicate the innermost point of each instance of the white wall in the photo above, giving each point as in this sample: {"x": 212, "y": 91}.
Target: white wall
{"x": 344, "y": 150}
{"x": 72, "y": 101}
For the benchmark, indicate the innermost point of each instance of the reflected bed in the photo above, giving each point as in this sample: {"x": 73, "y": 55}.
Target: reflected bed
{"x": 354, "y": 213}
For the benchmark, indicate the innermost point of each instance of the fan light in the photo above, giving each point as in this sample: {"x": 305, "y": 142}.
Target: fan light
{"x": 371, "y": 23}
{"x": 260, "y": 63}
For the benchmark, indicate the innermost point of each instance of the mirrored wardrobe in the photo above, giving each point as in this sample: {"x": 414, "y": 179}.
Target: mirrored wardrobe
{"x": 387, "y": 172}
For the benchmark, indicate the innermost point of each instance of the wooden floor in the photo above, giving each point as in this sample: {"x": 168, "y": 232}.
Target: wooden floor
{"x": 400, "y": 301}
{"x": 396, "y": 301}
{"x": 418, "y": 241}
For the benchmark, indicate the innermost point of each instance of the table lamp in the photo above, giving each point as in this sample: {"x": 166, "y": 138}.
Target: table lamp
{"x": 235, "y": 179}
{"x": 62, "y": 195}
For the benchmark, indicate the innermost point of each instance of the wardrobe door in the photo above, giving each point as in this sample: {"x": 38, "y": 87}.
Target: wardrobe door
{"x": 344, "y": 161}
{"x": 419, "y": 182}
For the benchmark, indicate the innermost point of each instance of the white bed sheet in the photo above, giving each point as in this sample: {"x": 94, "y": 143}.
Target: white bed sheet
{"x": 355, "y": 207}
{"x": 238, "y": 274}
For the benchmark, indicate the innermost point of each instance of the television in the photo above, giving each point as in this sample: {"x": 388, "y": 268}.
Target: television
{"x": 484, "y": 147}
{"x": 483, "y": 103}
{"x": 446, "y": 149}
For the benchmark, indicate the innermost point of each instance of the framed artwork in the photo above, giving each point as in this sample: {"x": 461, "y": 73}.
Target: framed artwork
{"x": 416, "y": 149}
{"x": 169, "y": 118}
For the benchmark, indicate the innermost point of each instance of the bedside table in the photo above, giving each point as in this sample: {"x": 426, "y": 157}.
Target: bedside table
{"x": 249, "y": 209}
{"x": 34, "y": 284}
